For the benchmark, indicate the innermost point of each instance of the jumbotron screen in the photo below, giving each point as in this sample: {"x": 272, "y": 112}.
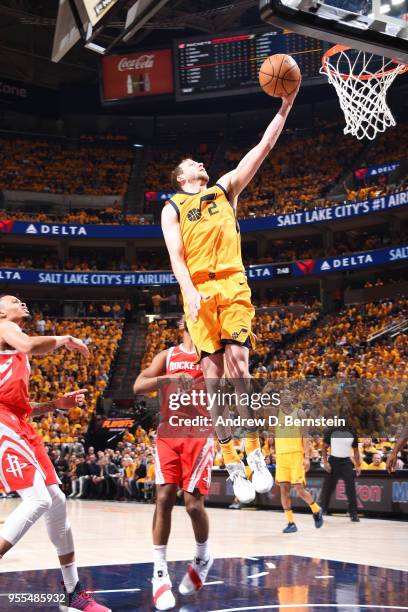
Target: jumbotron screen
{"x": 229, "y": 64}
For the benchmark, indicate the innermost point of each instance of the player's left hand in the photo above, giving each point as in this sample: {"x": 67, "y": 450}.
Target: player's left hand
{"x": 75, "y": 344}
{"x": 69, "y": 400}
{"x": 306, "y": 464}
{"x": 194, "y": 299}
{"x": 291, "y": 97}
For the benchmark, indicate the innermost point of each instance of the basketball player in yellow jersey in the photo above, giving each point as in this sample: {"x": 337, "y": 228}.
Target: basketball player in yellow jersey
{"x": 202, "y": 236}
{"x": 292, "y": 449}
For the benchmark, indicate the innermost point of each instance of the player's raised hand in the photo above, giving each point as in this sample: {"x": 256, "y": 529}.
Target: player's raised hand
{"x": 69, "y": 400}
{"x": 291, "y": 97}
{"x": 194, "y": 303}
{"x": 75, "y": 344}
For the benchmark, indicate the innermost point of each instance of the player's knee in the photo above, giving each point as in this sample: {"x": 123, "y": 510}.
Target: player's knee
{"x": 42, "y": 505}
{"x": 57, "y": 496}
{"x": 164, "y": 499}
{"x": 194, "y": 508}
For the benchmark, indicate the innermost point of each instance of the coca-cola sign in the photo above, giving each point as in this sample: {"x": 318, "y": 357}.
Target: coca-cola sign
{"x": 143, "y": 61}
{"x": 139, "y": 74}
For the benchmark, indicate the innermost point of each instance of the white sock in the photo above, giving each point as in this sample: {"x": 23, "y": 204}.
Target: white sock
{"x": 159, "y": 558}
{"x": 70, "y": 576}
{"x": 203, "y": 550}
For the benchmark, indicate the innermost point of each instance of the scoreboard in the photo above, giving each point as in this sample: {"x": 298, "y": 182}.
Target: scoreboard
{"x": 229, "y": 64}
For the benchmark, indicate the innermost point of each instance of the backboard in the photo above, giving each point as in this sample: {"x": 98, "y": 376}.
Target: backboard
{"x": 375, "y": 26}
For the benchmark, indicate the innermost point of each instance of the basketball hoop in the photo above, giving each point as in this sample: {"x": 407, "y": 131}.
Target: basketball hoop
{"x": 361, "y": 81}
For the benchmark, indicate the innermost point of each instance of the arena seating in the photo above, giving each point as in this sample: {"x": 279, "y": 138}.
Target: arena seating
{"x": 291, "y": 179}
{"x": 55, "y": 167}
{"x": 63, "y": 371}
{"x": 389, "y": 146}
{"x": 337, "y": 346}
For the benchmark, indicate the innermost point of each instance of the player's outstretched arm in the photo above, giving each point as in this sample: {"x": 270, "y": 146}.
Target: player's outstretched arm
{"x": 68, "y": 400}
{"x": 12, "y": 335}
{"x": 234, "y": 182}
{"x": 175, "y": 247}
{"x": 148, "y": 378}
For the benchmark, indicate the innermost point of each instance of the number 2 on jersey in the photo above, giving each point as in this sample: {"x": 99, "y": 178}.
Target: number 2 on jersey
{"x": 213, "y": 208}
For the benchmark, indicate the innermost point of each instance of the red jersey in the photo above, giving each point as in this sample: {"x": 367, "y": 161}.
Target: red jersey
{"x": 14, "y": 378}
{"x": 180, "y": 360}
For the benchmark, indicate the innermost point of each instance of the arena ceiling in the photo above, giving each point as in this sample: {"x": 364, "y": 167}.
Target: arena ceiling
{"x": 27, "y": 30}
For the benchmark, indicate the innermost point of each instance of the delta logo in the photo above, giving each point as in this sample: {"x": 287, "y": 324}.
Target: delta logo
{"x": 306, "y": 267}
{"x": 6, "y": 226}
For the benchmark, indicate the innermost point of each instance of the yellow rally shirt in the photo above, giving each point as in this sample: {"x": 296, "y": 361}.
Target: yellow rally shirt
{"x": 210, "y": 232}
{"x": 288, "y": 438}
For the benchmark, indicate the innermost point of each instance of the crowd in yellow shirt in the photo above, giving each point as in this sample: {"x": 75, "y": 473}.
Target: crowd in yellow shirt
{"x": 64, "y": 371}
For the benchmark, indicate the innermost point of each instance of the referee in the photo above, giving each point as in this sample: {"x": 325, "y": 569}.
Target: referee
{"x": 339, "y": 465}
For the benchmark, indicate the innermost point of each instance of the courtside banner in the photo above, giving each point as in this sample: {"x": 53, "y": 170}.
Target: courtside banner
{"x": 324, "y": 215}
{"x": 309, "y": 217}
{"x": 135, "y": 75}
{"x": 370, "y": 171}
{"x": 310, "y": 267}
{"x": 87, "y": 279}
{"x": 351, "y": 261}
{"x": 376, "y": 492}
{"x": 60, "y": 230}
{"x": 105, "y": 279}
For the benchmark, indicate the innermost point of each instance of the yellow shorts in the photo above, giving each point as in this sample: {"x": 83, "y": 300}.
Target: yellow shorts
{"x": 289, "y": 468}
{"x": 226, "y": 316}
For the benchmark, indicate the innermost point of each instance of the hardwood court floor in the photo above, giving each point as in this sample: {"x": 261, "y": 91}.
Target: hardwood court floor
{"x": 108, "y": 533}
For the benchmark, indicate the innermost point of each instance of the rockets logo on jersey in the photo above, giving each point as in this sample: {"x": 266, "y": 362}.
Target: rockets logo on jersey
{"x": 180, "y": 361}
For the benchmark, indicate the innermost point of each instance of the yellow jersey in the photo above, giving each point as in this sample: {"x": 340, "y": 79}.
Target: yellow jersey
{"x": 288, "y": 438}
{"x": 210, "y": 232}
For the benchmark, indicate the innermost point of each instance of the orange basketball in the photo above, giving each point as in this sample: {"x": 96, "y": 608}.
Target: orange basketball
{"x": 279, "y": 75}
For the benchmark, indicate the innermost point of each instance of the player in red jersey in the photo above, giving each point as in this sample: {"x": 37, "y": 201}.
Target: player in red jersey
{"x": 24, "y": 463}
{"x": 181, "y": 460}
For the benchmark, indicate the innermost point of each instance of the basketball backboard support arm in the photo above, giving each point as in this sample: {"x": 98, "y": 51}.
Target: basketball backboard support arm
{"x": 78, "y": 20}
{"x": 338, "y": 26}
{"x": 141, "y": 12}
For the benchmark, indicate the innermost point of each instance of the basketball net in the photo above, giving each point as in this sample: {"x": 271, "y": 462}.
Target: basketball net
{"x": 361, "y": 81}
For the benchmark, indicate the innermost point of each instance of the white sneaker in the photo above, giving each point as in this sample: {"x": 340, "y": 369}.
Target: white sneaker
{"x": 163, "y": 598}
{"x": 244, "y": 490}
{"x": 195, "y": 576}
{"x": 261, "y": 477}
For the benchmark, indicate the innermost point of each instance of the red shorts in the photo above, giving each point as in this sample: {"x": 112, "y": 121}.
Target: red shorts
{"x": 186, "y": 462}
{"x": 22, "y": 453}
